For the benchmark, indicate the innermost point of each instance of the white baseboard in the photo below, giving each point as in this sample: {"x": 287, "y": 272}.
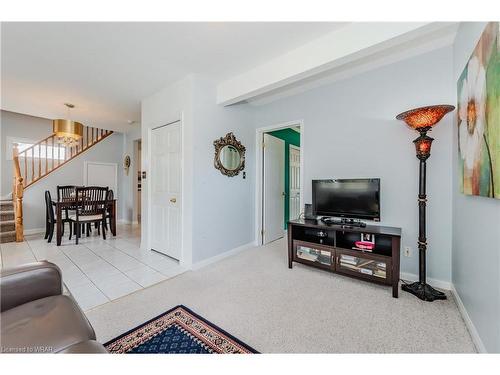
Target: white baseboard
{"x": 441, "y": 284}
{"x": 468, "y": 322}
{"x": 476, "y": 339}
{"x": 206, "y": 262}
{"x": 34, "y": 231}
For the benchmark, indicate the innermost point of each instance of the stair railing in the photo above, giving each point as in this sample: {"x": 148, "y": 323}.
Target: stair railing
{"x": 47, "y": 155}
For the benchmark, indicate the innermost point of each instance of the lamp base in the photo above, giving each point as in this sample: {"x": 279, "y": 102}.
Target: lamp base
{"x": 423, "y": 291}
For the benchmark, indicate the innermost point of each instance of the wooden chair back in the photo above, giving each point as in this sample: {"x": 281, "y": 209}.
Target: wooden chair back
{"x": 91, "y": 200}
{"x": 66, "y": 192}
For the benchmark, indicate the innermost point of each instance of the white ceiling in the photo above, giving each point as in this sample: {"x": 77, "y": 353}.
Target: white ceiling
{"x": 105, "y": 69}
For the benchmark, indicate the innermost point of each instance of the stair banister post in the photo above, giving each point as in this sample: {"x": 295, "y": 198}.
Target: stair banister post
{"x": 17, "y": 195}
{"x": 15, "y": 160}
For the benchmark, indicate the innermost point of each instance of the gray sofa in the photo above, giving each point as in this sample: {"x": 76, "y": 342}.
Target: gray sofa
{"x": 35, "y": 316}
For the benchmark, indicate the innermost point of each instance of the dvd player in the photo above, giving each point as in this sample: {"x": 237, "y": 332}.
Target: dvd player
{"x": 343, "y": 221}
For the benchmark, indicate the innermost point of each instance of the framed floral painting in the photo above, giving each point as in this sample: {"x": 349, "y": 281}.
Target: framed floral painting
{"x": 479, "y": 117}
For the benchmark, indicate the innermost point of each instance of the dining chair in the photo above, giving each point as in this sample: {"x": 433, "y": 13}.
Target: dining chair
{"x": 90, "y": 208}
{"x": 109, "y": 198}
{"x": 50, "y": 217}
{"x": 109, "y": 216}
{"x": 66, "y": 193}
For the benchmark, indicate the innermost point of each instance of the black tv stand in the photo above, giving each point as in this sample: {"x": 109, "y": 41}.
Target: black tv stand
{"x": 343, "y": 221}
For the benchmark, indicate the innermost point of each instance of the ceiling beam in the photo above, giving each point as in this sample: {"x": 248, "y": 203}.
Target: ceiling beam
{"x": 347, "y": 45}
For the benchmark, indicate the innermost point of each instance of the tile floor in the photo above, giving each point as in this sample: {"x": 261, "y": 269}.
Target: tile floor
{"x": 96, "y": 271}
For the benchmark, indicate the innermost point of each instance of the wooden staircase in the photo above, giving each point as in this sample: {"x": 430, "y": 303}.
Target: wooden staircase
{"x": 7, "y": 222}
{"x": 34, "y": 163}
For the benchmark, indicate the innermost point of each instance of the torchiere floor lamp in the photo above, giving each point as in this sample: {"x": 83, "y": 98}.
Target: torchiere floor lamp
{"x": 422, "y": 120}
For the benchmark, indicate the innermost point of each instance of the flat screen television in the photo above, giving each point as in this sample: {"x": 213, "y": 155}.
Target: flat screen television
{"x": 351, "y": 198}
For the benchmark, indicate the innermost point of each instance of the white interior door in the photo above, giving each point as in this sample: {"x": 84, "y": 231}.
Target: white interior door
{"x": 101, "y": 174}
{"x": 166, "y": 172}
{"x": 294, "y": 175}
{"x": 274, "y": 189}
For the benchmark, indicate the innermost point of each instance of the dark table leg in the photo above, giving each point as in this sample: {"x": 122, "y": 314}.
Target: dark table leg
{"x": 59, "y": 226}
{"x": 113, "y": 218}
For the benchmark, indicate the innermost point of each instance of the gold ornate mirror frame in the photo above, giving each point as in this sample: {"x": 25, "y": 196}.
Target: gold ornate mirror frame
{"x": 228, "y": 140}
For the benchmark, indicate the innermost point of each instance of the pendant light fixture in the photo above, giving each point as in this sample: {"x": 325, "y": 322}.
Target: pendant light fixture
{"x": 67, "y": 132}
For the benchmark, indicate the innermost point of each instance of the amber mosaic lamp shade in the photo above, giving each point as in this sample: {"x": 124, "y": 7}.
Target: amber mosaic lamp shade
{"x": 424, "y": 118}
{"x": 423, "y": 146}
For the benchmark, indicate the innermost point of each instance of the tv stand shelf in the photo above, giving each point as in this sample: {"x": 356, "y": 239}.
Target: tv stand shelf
{"x": 330, "y": 247}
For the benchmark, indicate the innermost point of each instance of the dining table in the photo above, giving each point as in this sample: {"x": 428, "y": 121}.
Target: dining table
{"x": 70, "y": 204}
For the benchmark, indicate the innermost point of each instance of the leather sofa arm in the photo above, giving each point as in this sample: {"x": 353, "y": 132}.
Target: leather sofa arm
{"x": 28, "y": 282}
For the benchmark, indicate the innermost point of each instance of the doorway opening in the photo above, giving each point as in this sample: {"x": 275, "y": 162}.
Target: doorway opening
{"x": 137, "y": 182}
{"x": 279, "y": 179}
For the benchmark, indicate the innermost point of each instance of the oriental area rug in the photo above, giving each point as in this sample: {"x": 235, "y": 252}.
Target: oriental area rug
{"x": 177, "y": 331}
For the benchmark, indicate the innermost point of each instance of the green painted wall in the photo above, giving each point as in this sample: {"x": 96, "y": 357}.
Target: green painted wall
{"x": 291, "y": 137}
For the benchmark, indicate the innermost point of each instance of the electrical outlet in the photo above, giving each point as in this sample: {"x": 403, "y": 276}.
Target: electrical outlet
{"x": 407, "y": 251}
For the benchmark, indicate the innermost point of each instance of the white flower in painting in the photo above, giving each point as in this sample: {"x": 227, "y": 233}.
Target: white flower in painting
{"x": 472, "y": 113}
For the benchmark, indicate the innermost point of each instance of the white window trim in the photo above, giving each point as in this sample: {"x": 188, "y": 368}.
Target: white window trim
{"x": 9, "y": 146}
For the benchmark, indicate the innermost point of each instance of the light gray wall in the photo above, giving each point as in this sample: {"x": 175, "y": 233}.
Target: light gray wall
{"x": 109, "y": 150}
{"x": 217, "y": 210}
{"x": 476, "y": 228}
{"x": 223, "y": 215}
{"x": 16, "y": 125}
{"x": 350, "y": 131}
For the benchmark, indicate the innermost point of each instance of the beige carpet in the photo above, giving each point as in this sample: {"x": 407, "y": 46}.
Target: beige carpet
{"x": 254, "y": 296}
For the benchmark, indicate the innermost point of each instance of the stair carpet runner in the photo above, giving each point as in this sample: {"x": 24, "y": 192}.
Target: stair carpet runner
{"x": 7, "y": 223}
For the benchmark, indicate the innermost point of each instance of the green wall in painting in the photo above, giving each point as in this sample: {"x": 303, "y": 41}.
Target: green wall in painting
{"x": 291, "y": 137}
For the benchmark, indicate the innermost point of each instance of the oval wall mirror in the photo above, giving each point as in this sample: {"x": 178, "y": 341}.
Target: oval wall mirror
{"x": 229, "y": 155}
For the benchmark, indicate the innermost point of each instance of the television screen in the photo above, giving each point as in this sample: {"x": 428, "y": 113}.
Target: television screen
{"x": 352, "y": 198}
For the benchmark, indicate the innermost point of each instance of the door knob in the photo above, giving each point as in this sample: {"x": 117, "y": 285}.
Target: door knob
{"x": 173, "y": 200}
